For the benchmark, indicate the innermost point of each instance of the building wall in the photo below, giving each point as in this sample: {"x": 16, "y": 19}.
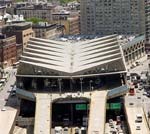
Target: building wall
{"x": 134, "y": 51}
{"x": 19, "y": 51}
{"x": 7, "y": 51}
{"x": 112, "y": 16}
{"x": 147, "y": 25}
{"x": 2, "y": 10}
{"x": 48, "y": 33}
{"x": 26, "y": 35}
{"x": 22, "y": 33}
{"x": 38, "y": 13}
{"x": 74, "y": 27}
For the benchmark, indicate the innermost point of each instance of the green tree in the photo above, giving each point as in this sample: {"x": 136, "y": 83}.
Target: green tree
{"x": 35, "y": 20}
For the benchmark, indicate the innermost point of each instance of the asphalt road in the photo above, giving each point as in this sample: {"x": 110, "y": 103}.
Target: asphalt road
{"x": 4, "y": 94}
{"x": 142, "y": 67}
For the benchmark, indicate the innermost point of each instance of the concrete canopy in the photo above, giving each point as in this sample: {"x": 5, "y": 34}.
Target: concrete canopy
{"x": 57, "y": 58}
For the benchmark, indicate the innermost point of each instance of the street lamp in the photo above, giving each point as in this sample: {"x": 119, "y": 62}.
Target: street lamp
{"x": 90, "y": 82}
{"x": 148, "y": 118}
{"x": 59, "y": 83}
{"x": 81, "y": 79}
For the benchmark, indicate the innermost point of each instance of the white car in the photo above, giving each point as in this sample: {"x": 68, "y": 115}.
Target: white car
{"x": 3, "y": 109}
{"x": 138, "y": 128}
{"x": 144, "y": 93}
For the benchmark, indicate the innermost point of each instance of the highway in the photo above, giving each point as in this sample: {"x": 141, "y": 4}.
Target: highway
{"x": 97, "y": 112}
{"x": 134, "y": 106}
{"x": 131, "y": 116}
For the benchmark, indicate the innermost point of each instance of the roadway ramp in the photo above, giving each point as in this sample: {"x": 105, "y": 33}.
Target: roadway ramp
{"x": 131, "y": 113}
{"x": 42, "y": 124}
{"x": 97, "y": 115}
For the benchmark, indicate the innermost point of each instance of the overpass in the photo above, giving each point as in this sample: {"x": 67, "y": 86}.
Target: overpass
{"x": 118, "y": 91}
{"x": 97, "y": 115}
{"x": 42, "y": 123}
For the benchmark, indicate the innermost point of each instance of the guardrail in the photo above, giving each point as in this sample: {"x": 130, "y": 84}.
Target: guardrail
{"x": 22, "y": 121}
{"x": 147, "y": 120}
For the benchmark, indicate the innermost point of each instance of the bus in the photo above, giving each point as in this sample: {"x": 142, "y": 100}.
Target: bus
{"x": 131, "y": 90}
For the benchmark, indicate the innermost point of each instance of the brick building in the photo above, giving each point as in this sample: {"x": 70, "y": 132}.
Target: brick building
{"x": 23, "y": 32}
{"x": 7, "y": 51}
{"x": 48, "y": 31}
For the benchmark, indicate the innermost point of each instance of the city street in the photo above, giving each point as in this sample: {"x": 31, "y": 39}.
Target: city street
{"x": 4, "y": 94}
{"x": 142, "y": 67}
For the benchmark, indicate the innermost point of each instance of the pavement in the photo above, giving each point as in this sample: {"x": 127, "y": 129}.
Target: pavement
{"x": 7, "y": 119}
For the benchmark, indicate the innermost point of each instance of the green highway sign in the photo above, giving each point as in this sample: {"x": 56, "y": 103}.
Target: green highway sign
{"x": 115, "y": 106}
{"x": 81, "y": 107}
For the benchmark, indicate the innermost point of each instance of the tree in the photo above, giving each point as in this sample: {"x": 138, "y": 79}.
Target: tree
{"x": 35, "y": 20}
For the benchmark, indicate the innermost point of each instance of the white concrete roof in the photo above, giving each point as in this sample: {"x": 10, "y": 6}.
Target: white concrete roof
{"x": 67, "y": 57}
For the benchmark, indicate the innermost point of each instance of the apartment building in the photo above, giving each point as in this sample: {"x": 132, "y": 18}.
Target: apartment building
{"x": 7, "y": 51}
{"x": 106, "y": 17}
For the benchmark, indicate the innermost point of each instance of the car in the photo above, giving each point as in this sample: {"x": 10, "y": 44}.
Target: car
{"x": 58, "y": 130}
{"x": 145, "y": 93}
{"x": 140, "y": 87}
{"x": 13, "y": 94}
{"x": 148, "y": 95}
{"x": 138, "y": 128}
{"x": 136, "y": 85}
{"x": 131, "y": 103}
{"x": 110, "y": 120}
{"x": 3, "y": 109}
{"x": 6, "y": 99}
{"x": 9, "y": 90}
{"x": 138, "y": 97}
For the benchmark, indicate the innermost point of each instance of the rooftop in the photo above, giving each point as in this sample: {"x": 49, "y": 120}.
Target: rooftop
{"x": 72, "y": 58}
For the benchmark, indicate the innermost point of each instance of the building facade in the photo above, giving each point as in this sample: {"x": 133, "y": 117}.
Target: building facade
{"x": 48, "y": 31}
{"x": 107, "y": 17}
{"x": 38, "y": 11}
{"x": 7, "y": 51}
{"x": 23, "y": 32}
{"x": 68, "y": 72}
{"x": 134, "y": 50}
{"x": 70, "y": 22}
{"x": 147, "y": 25}
{"x": 74, "y": 25}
